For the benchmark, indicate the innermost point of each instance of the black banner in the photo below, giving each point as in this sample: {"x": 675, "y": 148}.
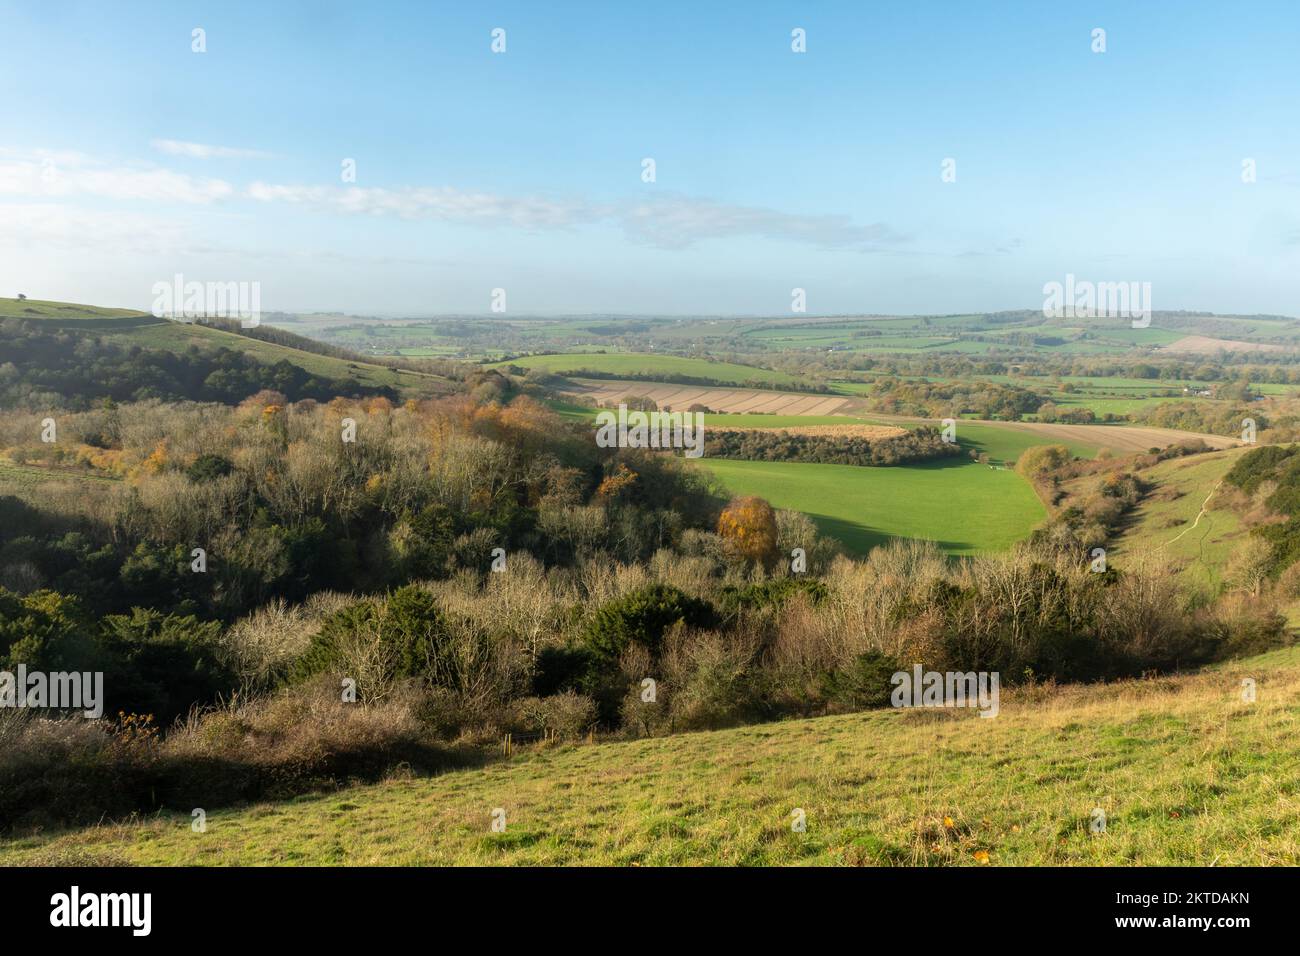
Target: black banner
{"x": 351, "y": 905}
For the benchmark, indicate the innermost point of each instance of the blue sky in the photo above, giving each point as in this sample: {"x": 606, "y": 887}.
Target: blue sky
{"x": 126, "y": 158}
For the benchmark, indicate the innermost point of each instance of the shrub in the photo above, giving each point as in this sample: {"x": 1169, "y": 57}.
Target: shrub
{"x": 1041, "y": 459}
{"x": 641, "y": 617}
{"x": 1288, "y": 582}
{"x": 379, "y": 642}
{"x": 1241, "y": 625}
{"x": 720, "y": 687}
{"x": 169, "y": 662}
{"x": 569, "y": 715}
{"x": 560, "y": 667}
{"x": 48, "y": 631}
{"x": 865, "y": 682}
{"x": 209, "y": 467}
{"x": 770, "y": 595}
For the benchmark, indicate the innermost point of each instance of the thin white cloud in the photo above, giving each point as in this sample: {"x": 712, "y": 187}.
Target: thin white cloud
{"x": 66, "y": 227}
{"x": 437, "y": 203}
{"x": 666, "y": 221}
{"x": 675, "y": 222}
{"x": 669, "y": 222}
{"x": 176, "y": 147}
{"x": 43, "y": 175}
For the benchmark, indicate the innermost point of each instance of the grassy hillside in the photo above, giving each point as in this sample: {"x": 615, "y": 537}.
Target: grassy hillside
{"x": 13, "y": 474}
{"x": 662, "y": 367}
{"x": 1184, "y": 770}
{"x": 71, "y": 314}
{"x": 1166, "y": 521}
{"x": 140, "y": 328}
{"x": 964, "y": 507}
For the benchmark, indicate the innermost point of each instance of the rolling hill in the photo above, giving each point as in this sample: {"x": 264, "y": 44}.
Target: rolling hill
{"x": 129, "y": 327}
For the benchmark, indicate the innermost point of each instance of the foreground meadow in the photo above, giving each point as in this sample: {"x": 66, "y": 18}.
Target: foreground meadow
{"x": 1185, "y": 771}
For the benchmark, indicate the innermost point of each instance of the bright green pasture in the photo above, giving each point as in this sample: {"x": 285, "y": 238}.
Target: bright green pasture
{"x": 663, "y": 366}
{"x": 963, "y": 507}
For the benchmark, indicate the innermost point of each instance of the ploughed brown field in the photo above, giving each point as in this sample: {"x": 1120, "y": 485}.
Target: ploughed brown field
{"x": 1204, "y": 345}
{"x": 1121, "y": 439}
{"x": 678, "y": 398}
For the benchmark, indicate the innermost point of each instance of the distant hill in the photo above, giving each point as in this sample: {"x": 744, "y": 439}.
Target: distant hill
{"x": 126, "y": 327}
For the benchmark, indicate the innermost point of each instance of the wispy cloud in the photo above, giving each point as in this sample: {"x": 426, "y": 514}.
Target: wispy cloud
{"x": 668, "y": 222}
{"x": 675, "y": 222}
{"x": 47, "y": 175}
{"x": 176, "y": 147}
{"x": 437, "y": 203}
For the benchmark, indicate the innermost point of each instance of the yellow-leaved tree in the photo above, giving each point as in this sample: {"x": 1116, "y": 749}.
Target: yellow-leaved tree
{"x": 748, "y": 525}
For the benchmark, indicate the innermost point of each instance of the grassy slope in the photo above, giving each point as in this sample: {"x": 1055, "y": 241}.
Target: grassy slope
{"x": 13, "y": 474}
{"x": 1186, "y": 772}
{"x": 147, "y": 331}
{"x": 64, "y": 313}
{"x": 638, "y": 363}
{"x": 964, "y": 507}
{"x": 1159, "y": 522}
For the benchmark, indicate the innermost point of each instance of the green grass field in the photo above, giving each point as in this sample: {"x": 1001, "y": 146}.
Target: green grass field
{"x": 1184, "y": 770}
{"x": 1102, "y": 405}
{"x": 964, "y": 507}
{"x": 1113, "y": 395}
{"x": 639, "y": 363}
{"x": 1008, "y": 444}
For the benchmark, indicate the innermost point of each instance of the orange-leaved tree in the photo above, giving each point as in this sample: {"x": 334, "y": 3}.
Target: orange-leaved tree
{"x": 748, "y": 525}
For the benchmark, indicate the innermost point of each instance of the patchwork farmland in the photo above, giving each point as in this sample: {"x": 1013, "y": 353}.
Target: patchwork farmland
{"x": 731, "y": 400}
